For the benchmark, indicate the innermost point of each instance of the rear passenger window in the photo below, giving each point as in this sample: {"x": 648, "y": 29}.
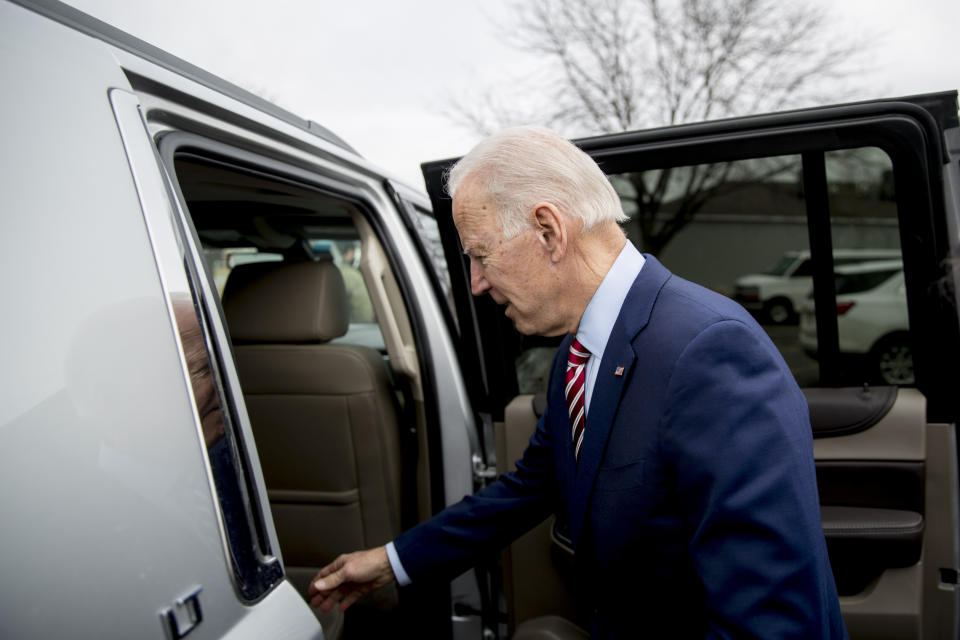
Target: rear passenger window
{"x": 742, "y": 229}
{"x": 722, "y": 232}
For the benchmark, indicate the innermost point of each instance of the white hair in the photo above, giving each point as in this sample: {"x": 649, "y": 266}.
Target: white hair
{"x": 521, "y": 167}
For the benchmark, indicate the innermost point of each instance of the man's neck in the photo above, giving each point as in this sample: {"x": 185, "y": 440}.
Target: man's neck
{"x": 595, "y": 253}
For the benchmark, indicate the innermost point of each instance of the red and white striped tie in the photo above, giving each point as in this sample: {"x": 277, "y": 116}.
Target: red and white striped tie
{"x": 576, "y": 374}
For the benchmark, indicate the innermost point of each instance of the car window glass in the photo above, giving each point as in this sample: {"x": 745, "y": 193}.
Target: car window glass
{"x": 872, "y": 320}
{"x": 734, "y": 227}
{"x": 781, "y": 266}
{"x": 741, "y": 227}
{"x": 347, "y": 254}
{"x": 430, "y": 234}
{"x": 255, "y": 567}
{"x": 860, "y": 282}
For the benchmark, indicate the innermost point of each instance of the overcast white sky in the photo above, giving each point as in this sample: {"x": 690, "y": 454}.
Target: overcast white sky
{"x": 379, "y": 72}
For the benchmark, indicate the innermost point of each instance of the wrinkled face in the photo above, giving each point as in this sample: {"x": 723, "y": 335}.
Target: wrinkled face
{"x": 516, "y": 272}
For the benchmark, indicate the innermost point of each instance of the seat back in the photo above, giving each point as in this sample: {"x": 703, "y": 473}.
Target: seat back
{"x": 323, "y": 415}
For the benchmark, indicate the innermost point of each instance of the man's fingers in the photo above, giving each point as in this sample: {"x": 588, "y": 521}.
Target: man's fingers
{"x": 319, "y": 597}
{"x": 331, "y": 576}
{"x": 353, "y": 596}
{"x": 336, "y": 565}
{"x": 349, "y": 578}
{"x": 323, "y": 573}
{"x": 331, "y": 600}
{"x": 330, "y": 581}
{"x": 344, "y": 596}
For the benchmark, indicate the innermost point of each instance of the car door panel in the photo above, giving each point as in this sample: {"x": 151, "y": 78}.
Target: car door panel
{"x": 537, "y": 580}
{"x": 898, "y": 435}
{"x": 873, "y": 511}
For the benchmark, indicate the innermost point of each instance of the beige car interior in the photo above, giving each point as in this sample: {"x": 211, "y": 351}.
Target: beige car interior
{"x": 894, "y": 604}
{"x": 323, "y": 415}
{"x": 328, "y": 416}
{"x": 401, "y": 348}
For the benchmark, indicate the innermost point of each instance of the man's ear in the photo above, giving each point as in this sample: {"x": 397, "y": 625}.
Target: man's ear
{"x": 551, "y": 230}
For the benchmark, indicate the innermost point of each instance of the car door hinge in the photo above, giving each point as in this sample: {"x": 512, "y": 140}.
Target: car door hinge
{"x": 482, "y": 474}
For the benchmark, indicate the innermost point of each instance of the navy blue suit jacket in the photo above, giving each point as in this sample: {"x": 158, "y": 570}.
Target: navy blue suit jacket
{"x": 693, "y": 508}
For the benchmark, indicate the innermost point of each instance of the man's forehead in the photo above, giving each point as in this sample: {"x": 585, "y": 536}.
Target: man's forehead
{"x": 473, "y": 237}
{"x": 473, "y": 213}
{"x": 470, "y": 197}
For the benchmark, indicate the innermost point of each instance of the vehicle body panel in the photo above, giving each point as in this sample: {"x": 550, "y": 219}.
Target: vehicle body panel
{"x": 103, "y": 482}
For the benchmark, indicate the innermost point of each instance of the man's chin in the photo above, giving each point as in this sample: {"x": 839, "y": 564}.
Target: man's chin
{"x": 510, "y": 312}
{"x": 524, "y": 330}
{"x": 528, "y": 328}
{"x": 519, "y": 323}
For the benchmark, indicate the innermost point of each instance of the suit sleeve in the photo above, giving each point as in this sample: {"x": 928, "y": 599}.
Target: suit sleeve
{"x": 451, "y": 542}
{"x": 737, "y": 435}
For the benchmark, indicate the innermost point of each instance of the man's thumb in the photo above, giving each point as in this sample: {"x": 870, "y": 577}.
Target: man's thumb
{"x": 329, "y": 582}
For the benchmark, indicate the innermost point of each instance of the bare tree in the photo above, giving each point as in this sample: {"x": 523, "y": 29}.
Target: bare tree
{"x": 616, "y": 65}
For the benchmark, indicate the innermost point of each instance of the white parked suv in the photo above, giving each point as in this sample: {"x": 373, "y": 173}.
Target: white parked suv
{"x": 871, "y": 321}
{"x": 776, "y": 294}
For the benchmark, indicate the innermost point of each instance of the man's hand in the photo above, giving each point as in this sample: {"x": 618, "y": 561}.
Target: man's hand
{"x": 350, "y": 577}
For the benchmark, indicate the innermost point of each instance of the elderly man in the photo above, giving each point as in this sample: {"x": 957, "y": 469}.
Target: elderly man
{"x": 676, "y": 442}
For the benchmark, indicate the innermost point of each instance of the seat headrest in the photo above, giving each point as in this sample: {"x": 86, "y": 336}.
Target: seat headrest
{"x": 297, "y": 302}
{"x": 243, "y": 274}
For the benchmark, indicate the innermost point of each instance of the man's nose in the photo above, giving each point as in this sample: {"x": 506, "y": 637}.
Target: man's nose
{"x": 478, "y": 283}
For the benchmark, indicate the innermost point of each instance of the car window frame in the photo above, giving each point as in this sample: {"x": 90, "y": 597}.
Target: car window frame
{"x": 172, "y": 142}
{"x": 908, "y": 133}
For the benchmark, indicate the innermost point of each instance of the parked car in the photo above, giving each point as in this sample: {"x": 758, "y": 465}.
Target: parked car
{"x": 183, "y": 442}
{"x": 778, "y": 293}
{"x": 872, "y": 323}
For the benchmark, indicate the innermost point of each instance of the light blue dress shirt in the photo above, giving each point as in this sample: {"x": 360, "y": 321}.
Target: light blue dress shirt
{"x": 594, "y": 331}
{"x": 601, "y": 314}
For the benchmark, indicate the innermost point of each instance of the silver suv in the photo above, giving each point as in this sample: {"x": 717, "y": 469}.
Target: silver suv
{"x": 205, "y": 398}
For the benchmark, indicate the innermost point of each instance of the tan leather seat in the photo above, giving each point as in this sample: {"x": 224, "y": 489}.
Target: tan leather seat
{"x": 323, "y": 415}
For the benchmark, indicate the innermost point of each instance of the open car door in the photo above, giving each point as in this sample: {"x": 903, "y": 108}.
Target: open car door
{"x": 868, "y": 196}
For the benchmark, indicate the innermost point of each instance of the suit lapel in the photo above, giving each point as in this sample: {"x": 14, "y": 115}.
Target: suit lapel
{"x": 609, "y": 386}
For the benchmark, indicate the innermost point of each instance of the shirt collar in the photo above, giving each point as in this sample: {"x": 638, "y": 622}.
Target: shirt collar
{"x": 601, "y": 314}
